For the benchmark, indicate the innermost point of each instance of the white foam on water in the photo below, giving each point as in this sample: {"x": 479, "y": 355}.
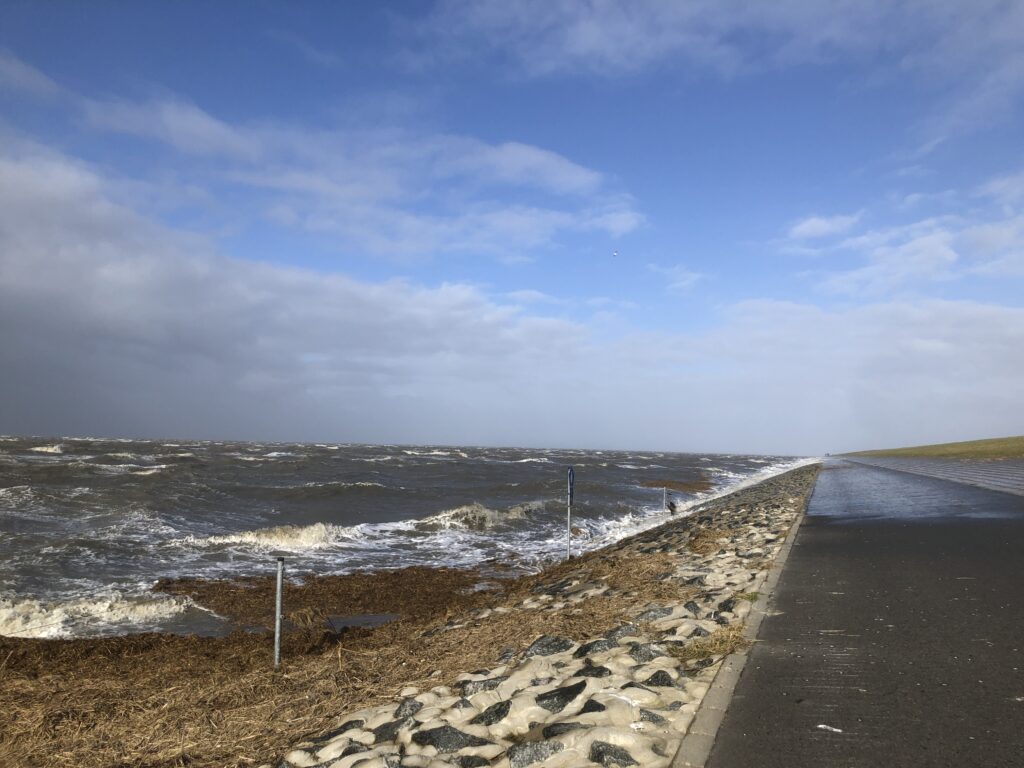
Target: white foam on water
{"x": 135, "y": 469}
{"x": 289, "y": 538}
{"x": 605, "y": 532}
{"x": 437, "y": 452}
{"x": 336, "y": 484}
{"x": 56, "y": 448}
{"x": 84, "y": 616}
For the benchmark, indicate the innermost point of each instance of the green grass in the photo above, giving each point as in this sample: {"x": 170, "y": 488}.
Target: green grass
{"x": 996, "y": 448}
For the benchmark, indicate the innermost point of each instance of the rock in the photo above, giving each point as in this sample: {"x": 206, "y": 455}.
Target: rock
{"x": 408, "y": 708}
{"x": 492, "y": 714}
{"x": 389, "y": 730}
{"x": 642, "y": 653}
{"x": 472, "y": 761}
{"x": 555, "y": 701}
{"x": 590, "y": 670}
{"x": 621, "y": 631}
{"x": 546, "y": 645}
{"x": 727, "y": 605}
{"x": 661, "y": 678}
{"x": 653, "y": 614}
{"x": 699, "y": 632}
{"x": 521, "y": 755}
{"x": 353, "y": 749}
{"x": 462, "y": 703}
{"x": 692, "y": 607}
{"x": 637, "y": 685}
{"x": 593, "y": 706}
{"x": 506, "y": 655}
{"x": 597, "y": 646}
{"x": 651, "y": 717}
{"x": 610, "y": 755}
{"x": 469, "y": 687}
{"x": 557, "y": 729}
{"x": 447, "y": 739}
{"x": 330, "y": 735}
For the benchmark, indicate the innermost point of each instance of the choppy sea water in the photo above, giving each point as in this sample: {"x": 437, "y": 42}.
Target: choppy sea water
{"x": 88, "y": 525}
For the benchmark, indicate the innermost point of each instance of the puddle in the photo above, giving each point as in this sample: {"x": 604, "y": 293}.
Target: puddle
{"x": 337, "y": 623}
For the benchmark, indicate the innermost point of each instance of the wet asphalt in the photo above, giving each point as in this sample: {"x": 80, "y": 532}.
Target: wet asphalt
{"x": 898, "y": 632}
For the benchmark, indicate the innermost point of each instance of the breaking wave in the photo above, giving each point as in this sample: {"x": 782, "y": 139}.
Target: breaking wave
{"x": 57, "y": 448}
{"x": 293, "y": 538}
{"x": 78, "y": 617}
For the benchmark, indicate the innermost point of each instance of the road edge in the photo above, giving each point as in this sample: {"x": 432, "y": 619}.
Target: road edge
{"x": 695, "y": 748}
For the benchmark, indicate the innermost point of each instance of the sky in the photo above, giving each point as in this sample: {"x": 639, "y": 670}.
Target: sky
{"x": 691, "y": 225}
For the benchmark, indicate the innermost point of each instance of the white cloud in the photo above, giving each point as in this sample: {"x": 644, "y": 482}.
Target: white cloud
{"x": 823, "y": 226}
{"x": 679, "y": 278}
{"x": 181, "y": 124}
{"x": 114, "y": 324}
{"x": 1006, "y": 189}
{"x": 967, "y": 55}
{"x": 312, "y": 53}
{"x": 16, "y": 75}
{"x": 531, "y": 296}
{"x": 368, "y": 189}
{"x": 912, "y": 263}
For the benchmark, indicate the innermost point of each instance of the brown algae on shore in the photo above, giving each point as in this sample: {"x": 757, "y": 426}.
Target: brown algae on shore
{"x": 161, "y": 701}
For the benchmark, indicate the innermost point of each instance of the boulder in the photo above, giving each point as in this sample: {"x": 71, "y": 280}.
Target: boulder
{"x": 556, "y": 700}
{"x": 521, "y": 755}
{"x": 447, "y": 739}
{"x": 610, "y": 755}
{"x": 492, "y": 714}
{"x": 547, "y": 645}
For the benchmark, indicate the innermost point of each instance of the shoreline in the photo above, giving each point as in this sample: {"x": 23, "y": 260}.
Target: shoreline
{"x": 457, "y": 642}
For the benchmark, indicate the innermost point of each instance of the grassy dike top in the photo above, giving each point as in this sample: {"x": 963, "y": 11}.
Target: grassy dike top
{"x": 995, "y": 448}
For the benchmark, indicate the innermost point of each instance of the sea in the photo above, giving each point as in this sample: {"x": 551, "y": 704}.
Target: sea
{"x": 88, "y": 525}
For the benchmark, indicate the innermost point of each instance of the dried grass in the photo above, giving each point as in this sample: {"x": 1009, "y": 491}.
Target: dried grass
{"x": 157, "y": 701}
{"x": 721, "y": 643}
{"x": 706, "y": 541}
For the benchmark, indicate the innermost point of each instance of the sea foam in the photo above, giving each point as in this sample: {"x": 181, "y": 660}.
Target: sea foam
{"x": 78, "y": 617}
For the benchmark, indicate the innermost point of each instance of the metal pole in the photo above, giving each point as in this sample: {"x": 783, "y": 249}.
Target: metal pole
{"x": 277, "y": 613}
{"x": 664, "y": 499}
{"x": 568, "y": 514}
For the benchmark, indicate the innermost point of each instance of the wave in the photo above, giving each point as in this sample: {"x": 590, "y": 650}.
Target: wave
{"x": 473, "y": 517}
{"x": 291, "y": 538}
{"x": 134, "y": 469}
{"x": 30, "y": 617}
{"x": 476, "y": 517}
{"x": 435, "y": 452}
{"x": 56, "y": 448}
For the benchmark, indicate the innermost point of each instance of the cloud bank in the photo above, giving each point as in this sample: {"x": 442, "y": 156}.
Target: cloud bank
{"x": 116, "y": 323}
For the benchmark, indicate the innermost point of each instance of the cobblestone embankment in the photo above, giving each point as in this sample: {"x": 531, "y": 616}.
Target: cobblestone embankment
{"x": 622, "y": 698}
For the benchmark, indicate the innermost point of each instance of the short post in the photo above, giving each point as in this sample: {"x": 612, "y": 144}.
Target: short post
{"x": 277, "y": 613}
{"x": 568, "y": 515}
{"x": 664, "y": 499}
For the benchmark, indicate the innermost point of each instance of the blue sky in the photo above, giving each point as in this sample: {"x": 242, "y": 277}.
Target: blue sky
{"x": 678, "y": 225}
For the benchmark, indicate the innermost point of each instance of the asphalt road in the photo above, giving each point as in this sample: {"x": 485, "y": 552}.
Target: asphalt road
{"x": 899, "y": 633}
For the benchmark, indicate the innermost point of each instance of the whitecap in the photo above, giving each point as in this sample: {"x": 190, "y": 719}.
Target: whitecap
{"x": 56, "y": 448}
{"x": 83, "y": 616}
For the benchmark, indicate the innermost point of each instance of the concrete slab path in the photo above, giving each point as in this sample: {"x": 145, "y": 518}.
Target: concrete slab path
{"x": 897, "y": 632}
